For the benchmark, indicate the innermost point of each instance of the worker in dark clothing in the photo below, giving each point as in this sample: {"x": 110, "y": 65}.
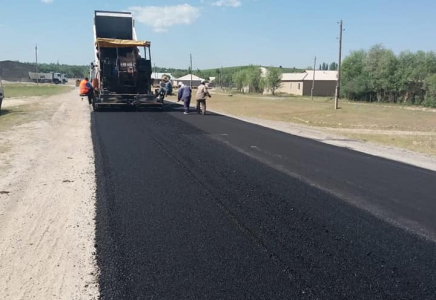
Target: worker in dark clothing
{"x": 166, "y": 88}
{"x": 86, "y": 88}
{"x": 184, "y": 95}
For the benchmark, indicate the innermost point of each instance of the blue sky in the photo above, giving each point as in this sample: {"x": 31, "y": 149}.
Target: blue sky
{"x": 219, "y": 32}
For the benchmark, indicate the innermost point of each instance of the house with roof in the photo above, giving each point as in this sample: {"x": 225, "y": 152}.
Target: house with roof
{"x": 157, "y": 77}
{"x": 187, "y": 80}
{"x": 301, "y": 83}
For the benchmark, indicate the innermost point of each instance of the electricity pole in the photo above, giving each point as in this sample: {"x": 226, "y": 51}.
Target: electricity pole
{"x": 222, "y": 76}
{"x": 190, "y": 84}
{"x": 313, "y": 80}
{"x": 338, "y": 83}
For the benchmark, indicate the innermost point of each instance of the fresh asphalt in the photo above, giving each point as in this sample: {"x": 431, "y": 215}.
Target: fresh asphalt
{"x": 209, "y": 207}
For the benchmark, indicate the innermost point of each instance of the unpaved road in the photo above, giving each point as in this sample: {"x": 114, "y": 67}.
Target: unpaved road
{"x": 47, "y": 201}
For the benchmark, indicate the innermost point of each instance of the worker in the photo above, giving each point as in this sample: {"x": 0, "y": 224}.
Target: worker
{"x": 184, "y": 95}
{"x": 86, "y": 88}
{"x": 202, "y": 93}
{"x": 166, "y": 87}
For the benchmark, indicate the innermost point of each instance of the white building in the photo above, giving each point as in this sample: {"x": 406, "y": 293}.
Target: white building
{"x": 187, "y": 80}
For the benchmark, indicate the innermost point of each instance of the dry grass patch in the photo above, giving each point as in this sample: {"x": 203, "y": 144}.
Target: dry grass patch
{"x": 320, "y": 112}
{"x": 30, "y": 90}
{"x": 419, "y": 143}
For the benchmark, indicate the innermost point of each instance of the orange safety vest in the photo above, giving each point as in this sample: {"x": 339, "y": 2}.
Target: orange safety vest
{"x": 83, "y": 88}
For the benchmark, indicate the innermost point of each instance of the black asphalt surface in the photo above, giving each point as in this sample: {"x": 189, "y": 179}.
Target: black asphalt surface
{"x": 208, "y": 207}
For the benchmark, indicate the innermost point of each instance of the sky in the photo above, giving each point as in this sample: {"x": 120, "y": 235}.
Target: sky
{"x": 217, "y": 33}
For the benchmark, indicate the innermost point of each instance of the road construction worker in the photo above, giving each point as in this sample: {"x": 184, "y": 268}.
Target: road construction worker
{"x": 86, "y": 88}
{"x": 202, "y": 93}
{"x": 166, "y": 87}
{"x": 184, "y": 95}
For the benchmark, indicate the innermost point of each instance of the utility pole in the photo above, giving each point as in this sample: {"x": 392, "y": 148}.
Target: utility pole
{"x": 313, "y": 79}
{"x": 36, "y": 64}
{"x": 222, "y": 76}
{"x": 190, "y": 84}
{"x": 338, "y": 83}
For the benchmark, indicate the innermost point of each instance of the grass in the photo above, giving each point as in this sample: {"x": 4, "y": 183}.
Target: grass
{"x": 417, "y": 143}
{"x": 19, "y": 115}
{"x": 16, "y": 115}
{"x": 29, "y": 90}
{"x": 384, "y": 124}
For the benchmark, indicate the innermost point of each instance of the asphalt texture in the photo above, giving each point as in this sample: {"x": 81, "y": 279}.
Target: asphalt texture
{"x": 209, "y": 207}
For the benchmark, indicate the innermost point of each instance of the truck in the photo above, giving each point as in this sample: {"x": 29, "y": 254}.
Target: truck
{"x": 121, "y": 71}
{"x": 64, "y": 78}
{"x": 50, "y": 77}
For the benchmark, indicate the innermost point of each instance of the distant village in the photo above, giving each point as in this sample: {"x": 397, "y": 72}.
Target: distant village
{"x": 299, "y": 84}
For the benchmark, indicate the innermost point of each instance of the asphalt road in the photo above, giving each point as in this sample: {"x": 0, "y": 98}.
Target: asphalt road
{"x": 193, "y": 207}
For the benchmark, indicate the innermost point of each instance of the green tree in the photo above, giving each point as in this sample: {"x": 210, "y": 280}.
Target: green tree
{"x": 179, "y": 73}
{"x": 381, "y": 65}
{"x": 355, "y": 79}
{"x": 239, "y": 79}
{"x": 430, "y": 87}
{"x": 333, "y": 66}
{"x": 412, "y": 72}
{"x": 273, "y": 80}
{"x": 253, "y": 79}
{"x": 380, "y": 75}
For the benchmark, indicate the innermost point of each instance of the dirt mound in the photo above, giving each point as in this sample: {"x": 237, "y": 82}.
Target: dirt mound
{"x": 15, "y": 71}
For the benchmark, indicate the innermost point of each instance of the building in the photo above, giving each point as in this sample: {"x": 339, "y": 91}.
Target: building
{"x": 157, "y": 77}
{"x": 187, "y": 80}
{"x": 301, "y": 83}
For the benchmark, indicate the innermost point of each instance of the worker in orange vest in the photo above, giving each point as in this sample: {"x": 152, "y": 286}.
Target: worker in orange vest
{"x": 86, "y": 89}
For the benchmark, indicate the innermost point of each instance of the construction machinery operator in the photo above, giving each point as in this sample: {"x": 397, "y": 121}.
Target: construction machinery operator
{"x": 86, "y": 89}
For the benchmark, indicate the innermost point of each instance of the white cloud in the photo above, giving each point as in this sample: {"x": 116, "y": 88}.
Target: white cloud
{"x": 231, "y": 3}
{"x": 46, "y": 1}
{"x": 160, "y": 18}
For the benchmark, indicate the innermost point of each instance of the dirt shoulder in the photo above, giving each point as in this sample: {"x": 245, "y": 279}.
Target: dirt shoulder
{"x": 373, "y": 141}
{"x": 47, "y": 201}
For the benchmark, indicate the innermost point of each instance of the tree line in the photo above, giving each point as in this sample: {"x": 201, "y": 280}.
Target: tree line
{"x": 242, "y": 78}
{"x": 251, "y": 80}
{"x": 326, "y": 67}
{"x": 379, "y": 75}
{"x": 72, "y": 71}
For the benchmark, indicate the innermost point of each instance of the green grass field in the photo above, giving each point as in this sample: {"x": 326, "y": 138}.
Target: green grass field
{"x": 31, "y": 90}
